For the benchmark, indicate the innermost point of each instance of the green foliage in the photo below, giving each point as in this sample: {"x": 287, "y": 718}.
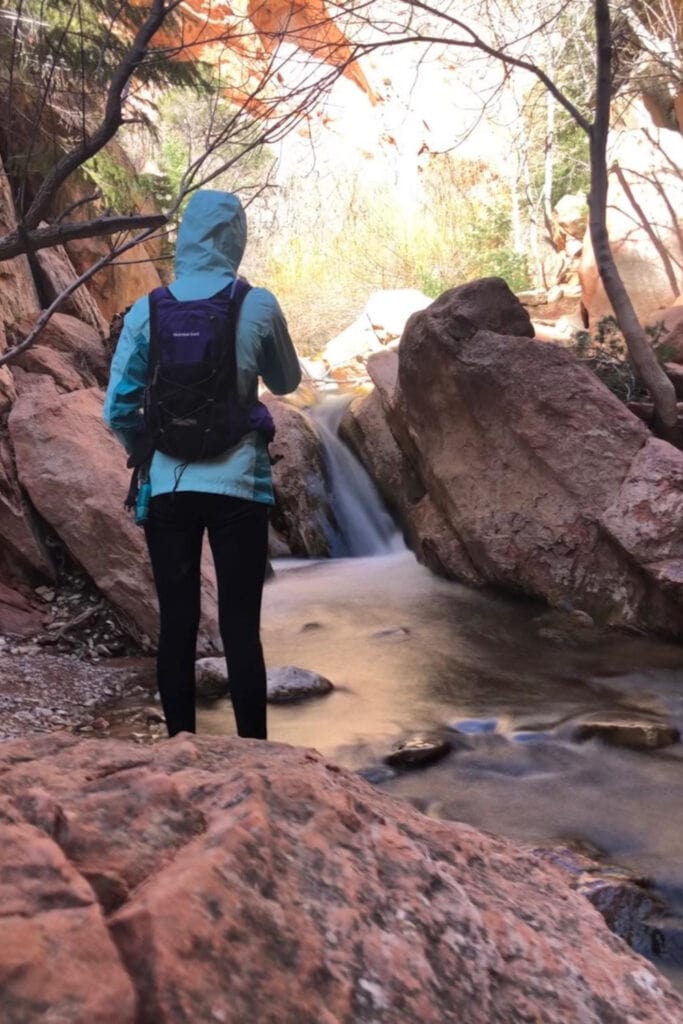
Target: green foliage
{"x": 57, "y": 58}
{"x": 325, "y": 260}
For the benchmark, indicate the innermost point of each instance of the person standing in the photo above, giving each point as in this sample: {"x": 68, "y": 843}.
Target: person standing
{"x": 227, "y": 494}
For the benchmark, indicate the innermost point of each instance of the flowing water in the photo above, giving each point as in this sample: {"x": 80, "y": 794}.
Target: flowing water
{"x": 408, "y": 651}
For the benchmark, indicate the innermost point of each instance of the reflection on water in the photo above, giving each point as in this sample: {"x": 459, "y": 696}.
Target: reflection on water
{"x": 408, "y": 651}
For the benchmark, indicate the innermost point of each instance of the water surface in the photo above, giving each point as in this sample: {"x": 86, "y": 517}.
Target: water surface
{"x": 407, "y": 651}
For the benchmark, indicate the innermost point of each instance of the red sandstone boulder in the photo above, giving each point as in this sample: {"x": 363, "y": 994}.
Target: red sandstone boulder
{"x": 17, "y": 614}
{"x": 536, "y": 467}
{"x": 75, "y": 474}
{"x": 58, "y": 273}
{"x": 58, "y": 961}
{"x": 303, "y": 516}
{"x": 61, "y": 366}
{"x": 365, "y": 429}
{"x": 80, "y": 346}
{"x": 241, "y": 881}
{"x": 22, "y": 552}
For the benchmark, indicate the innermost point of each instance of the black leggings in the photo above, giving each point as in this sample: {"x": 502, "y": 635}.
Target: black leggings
{"x": 238, "y": 534}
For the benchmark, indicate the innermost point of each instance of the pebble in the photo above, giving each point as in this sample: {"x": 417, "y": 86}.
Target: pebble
{"x": 211, "y": 676}
{"x": 153, "y": 715}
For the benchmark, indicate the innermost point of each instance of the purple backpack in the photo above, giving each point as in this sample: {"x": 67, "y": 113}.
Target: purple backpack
{"x": 192, "y": 407}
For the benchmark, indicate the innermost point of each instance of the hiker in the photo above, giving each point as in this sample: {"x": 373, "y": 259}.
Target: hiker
{"x": 200, "y": 449}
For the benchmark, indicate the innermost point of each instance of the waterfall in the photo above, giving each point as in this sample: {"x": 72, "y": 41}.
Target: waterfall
{"x": 365, "y": 526}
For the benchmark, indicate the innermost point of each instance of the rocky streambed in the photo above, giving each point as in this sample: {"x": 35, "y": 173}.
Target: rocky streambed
{"x": 550, "y": 732}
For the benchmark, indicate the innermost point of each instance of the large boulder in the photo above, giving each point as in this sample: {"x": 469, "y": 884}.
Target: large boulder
{"x": 243, "y": 881}
{"x": 380, "y": 324}
{"x": 644, "y": 221}
{"x": 23, "y": 554}
{"x": 79, "y": 344}
{"x": 75, "y": 474}
{"x": 540, "y": 472}
{"x": 366, "y": 430}
{"x": 57, "y": 274}
{"x": 303, "y": 515}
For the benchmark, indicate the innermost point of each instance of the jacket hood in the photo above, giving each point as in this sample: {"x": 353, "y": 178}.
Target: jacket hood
{"x": 212, "y": 235}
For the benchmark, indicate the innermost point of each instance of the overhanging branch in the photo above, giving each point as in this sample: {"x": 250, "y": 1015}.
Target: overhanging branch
{"x": 57, "y": 234}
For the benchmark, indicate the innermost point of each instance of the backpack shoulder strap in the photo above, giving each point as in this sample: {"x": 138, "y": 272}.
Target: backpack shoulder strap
{"x": 239, "y": 291}
{"x": 154, "y": 298}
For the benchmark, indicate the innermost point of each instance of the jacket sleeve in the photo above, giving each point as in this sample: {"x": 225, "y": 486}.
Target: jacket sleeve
{"x": 128, "y": 377}
{"x": 278, "y": 363}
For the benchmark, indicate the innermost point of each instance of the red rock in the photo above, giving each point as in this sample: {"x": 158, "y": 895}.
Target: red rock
{"x": 80, "y": 344}
{"x": 646, "y": 514}
{"x": 524, "y": 451}
{"x": 75, "y": 473}
{"x": 303, "y": 515}
{"x": 257, "y": 882}
{"x": 365, "y": 428}
{"x": 17, "y": 615}
{"x": 58, "y": 273}
{"x": 18, "y": 296}
{"x": 22, "y": 552}
{"x": 58, "y": 365}
{"x": 57, "y": 958}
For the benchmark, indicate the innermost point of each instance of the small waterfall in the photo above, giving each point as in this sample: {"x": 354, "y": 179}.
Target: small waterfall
{"x": 365, "y": 526}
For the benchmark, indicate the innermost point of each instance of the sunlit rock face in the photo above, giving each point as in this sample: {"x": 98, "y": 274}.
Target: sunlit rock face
{"x": 235, "y": 880}
{"x": 383, "y": 118}
{"x": 644, "y": 221}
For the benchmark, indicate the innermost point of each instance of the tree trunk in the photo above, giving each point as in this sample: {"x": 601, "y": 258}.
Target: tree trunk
{"x": 640, "y": 350}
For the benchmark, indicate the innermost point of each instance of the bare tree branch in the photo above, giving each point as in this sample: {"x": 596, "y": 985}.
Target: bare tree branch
{"x": 112, "y": 116}
{"x": 22, "y": 241}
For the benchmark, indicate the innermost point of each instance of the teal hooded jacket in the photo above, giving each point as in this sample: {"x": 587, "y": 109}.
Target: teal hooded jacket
{"x": 211, "y": 241}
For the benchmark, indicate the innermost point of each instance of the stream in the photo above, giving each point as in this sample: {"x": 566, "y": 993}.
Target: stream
{"x": 408, "y": 652}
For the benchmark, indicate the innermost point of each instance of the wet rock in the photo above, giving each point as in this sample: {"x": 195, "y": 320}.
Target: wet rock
{"x": 418, "y": 751}
{"x": 376, "y": 774}
{"x": 666, "y": 937}
{"x": 211, "y": 678}
{"x": 303, "y": 516}
{"x": 571, "y": 626}
{"x": 626, "y": 902}
{"x": 365, "y": 428}
{"x": 636, "y": 735}
{"x": 288, "y": 683}
{"x": 154, "y": 716}
{"x": 231, "y": 839}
